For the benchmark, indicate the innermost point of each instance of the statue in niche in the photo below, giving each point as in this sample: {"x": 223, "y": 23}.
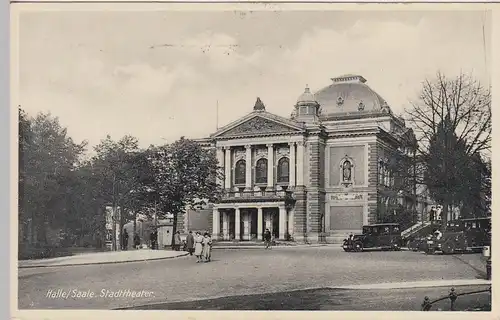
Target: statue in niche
{"x": 347, "y": 171}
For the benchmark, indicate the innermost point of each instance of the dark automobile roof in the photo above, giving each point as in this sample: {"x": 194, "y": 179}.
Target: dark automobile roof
{"x": 381, "y": 224}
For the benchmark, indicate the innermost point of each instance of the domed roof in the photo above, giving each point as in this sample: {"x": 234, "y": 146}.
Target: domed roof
{"x": 349, "y": 94}
{"x": 307, "y": 97}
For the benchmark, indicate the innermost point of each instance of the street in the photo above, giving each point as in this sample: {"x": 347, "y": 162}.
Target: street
{"x": 337, "y": 299}
{"x": 235, "y": 272}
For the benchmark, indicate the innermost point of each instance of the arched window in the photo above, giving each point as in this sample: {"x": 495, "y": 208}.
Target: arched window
{"x": 261, "y": 171}
{"x": 347, "y": 171}
{"x": 283, "y": 170}
{"x": 240, "y": 172}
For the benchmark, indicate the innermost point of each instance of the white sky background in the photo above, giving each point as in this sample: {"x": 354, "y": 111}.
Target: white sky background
{"x": 108, "y": 73}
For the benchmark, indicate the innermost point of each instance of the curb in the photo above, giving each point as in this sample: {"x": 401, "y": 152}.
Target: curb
{"x": 97, "y": 263}
{"x": 276, "y": 247}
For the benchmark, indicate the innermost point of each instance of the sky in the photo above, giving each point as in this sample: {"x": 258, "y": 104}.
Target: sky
{"x": 158, "y": 75}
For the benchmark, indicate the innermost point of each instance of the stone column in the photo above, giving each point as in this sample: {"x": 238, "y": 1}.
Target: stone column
{"x": 248, "y": 162}
{"x": 220, "y": 160}
{"x": 246, "y": 226}
{"x": 227, "y": 167}
{"x": 290, "y": 222}
{"x": 237, "y": 224}
{"x": 270, "y": 167}
{"x": 300, "y": 163}
{"x": 215, "y": 224}
{"x": 259, "y": 223}
{"x": 292, "y": 164}
{"x": 282, "y": 223}
{"x": 225, "y": 225}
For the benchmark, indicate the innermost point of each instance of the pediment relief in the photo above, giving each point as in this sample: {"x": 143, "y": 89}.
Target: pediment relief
{"x": 257, "y": 125}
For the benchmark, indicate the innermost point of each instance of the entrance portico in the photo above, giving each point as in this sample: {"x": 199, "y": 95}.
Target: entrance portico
{"x": 247, "y": 221}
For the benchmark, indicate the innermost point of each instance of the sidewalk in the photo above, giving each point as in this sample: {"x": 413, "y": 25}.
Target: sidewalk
{"x": 102, "y": 258}
{"x": 260, "y": 245}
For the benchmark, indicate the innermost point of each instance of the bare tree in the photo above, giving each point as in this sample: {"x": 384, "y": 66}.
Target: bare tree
{"x": 464, "y": 100}
{"x": 458, "y": 110}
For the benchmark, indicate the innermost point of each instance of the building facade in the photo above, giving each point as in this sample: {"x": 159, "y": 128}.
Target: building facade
{"x": 316, "y": 176}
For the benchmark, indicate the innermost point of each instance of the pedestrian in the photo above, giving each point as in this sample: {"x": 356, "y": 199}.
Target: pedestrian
{"x": 154, "y": 239}
{"x": 438, "y": 234}
{"x": 125, "y": 239}
{"x": 198, "y": 246}
{"x": 267, "y": 238}
{"x": 190, "y": 243}
{"x": 137, "y": 241}
{"x": 177, "y": 241}
{"x": 207, "y": 247}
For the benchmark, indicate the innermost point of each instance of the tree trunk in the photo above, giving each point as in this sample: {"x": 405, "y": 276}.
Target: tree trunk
{"x": 135, "y": 222}
{"x": 113, "y": 227}
{"x": 122, "y": 223}
{"x": 174, "y": 230}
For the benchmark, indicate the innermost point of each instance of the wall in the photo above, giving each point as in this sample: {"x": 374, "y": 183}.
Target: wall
{"x": 345, "y": 218}
{"x": 337, "y": 154}
{"x": 199, "y": 220}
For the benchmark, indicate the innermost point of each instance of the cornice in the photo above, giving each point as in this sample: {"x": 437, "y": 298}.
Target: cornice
{"x": 258, "y": 135}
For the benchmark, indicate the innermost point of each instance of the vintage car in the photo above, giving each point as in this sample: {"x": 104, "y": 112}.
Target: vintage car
{"x": 418, "y": 244}
{"x": 383, "y": 236}
{"x": 461, "y": 236}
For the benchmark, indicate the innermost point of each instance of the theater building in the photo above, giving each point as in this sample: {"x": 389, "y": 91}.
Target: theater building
{"x": 330, "y": 158}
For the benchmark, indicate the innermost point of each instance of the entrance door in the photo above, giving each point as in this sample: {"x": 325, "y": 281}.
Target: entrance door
{"x": 253, "y": 224}
{"x": 276, "y": 224}
{"x": 232, "y": 225}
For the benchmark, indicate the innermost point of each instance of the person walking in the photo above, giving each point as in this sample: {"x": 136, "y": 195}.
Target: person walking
{"x": 190, "y": 243}
{"x": 137, "y": 241}
{"x": 125, "y": 239}
{"x": 198, "y": 247}
{"x": 177, "y": 241}
{"x": 267, "y": 238}
{"x": 207, "y": 247}
{"x": 154, "y": 239}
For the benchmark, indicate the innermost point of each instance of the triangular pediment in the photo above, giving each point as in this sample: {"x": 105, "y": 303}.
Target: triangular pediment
{"x": 258, "y": 123}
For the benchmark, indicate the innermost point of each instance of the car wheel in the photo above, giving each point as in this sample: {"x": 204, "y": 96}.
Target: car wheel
{"x": 358, "y": 247}
{"x": 430, "y": 251}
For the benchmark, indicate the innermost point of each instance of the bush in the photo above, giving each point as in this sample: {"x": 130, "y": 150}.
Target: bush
{"x": 41, "y": 252}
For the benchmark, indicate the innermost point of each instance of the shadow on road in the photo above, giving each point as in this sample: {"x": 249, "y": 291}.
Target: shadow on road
{"x": 331, "y": 299}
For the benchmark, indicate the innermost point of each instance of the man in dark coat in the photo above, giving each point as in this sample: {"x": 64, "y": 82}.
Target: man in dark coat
{"x": 267, "y": 238}
{"x": 137, "y": 241}
{"x": 154, "y": 239}
{"x": 190, "y": 243}
{"x": 125, "y": 240}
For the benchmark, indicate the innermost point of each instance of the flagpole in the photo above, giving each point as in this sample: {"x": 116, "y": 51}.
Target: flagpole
{"x": 217, "y": 116}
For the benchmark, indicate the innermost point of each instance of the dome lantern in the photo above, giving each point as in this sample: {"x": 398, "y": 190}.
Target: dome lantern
{"x": 306, "y": 108}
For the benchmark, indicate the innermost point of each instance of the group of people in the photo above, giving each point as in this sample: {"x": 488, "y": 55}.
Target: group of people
{"x": 125, "y": 236}
{"x": 199, "y": 246}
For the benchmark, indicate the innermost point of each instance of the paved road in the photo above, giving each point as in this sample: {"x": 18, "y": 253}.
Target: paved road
{"x": 235, "y": 272}
{"x": 341, "y": 300}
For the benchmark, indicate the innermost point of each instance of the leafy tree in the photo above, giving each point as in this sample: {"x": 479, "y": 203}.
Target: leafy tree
{"x": 183, "y": 176}
{"x": 48, "y": 160}
{"x": 452, "y": 121}
{"x": 24, "y": 140}
{"x": 114, "y": 167}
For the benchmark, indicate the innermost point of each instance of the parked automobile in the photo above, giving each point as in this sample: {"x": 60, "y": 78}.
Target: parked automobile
{"x": 418, "y": 244}
{"x": 383, "y": 236}
{"x": 461, "y": 236}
